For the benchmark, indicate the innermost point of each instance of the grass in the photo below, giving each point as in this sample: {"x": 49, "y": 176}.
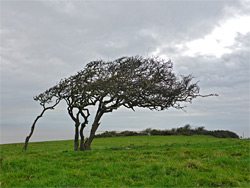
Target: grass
{"x": 141, "y": 161}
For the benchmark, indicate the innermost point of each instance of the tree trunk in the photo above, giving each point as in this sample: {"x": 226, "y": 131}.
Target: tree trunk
{"x": 87, "y": 144}
{"x": 95, "y": 125}
{"x": 32, "y": 130}
{"x": 77, "y": 124}
{"x": 82, "y": 136}
{"x": 76, "y": 145}
{"x": 34, "y": 123}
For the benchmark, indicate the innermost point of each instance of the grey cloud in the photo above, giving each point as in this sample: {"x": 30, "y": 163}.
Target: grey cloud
{"x": 230, "y": 70}
{"x": 229, "y": 77}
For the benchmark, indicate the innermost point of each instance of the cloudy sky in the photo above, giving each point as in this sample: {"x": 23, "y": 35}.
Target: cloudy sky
{"x": 45, "y": 41}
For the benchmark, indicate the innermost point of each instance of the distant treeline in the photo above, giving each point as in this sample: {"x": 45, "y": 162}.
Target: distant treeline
{"x": 186, "y": 131}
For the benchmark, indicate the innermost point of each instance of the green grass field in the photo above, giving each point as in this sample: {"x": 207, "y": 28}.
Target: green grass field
{"x": 141, "y": 161}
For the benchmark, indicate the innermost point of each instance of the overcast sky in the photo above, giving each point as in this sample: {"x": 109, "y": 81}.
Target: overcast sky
{"x": 45, "y": 41}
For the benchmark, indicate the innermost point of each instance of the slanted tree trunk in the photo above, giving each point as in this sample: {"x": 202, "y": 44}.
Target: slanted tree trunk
{"x": 34, "y": 124}
{"x": 32, "y": 130}
{"x": 95, "y": 125}
{"x": 101, "y": 110}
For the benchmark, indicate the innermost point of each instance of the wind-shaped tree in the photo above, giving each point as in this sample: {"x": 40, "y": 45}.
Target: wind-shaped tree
{"x": 128, "y": 81}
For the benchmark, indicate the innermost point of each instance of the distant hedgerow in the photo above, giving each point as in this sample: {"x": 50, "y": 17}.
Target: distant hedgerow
{"x": 185, "y": 131}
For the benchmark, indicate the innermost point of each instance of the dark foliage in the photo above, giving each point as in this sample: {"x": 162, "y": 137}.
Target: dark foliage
{"x": 116, "y": 134}
{"x": 185, "y": 131}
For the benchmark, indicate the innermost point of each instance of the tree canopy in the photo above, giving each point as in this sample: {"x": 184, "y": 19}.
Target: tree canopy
{"x": 128, "y": 81}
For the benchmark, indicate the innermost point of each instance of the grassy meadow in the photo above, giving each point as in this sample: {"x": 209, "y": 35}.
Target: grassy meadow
{"x": 139, "y": 161}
